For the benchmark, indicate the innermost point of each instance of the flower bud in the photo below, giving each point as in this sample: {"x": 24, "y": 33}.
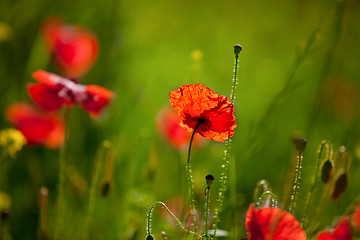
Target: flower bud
{"x": 105, "y": 188}
{"x": 209, "y": 179}
{"x": 300, "y": 144}
{"x": 150, "y": 237}
{"x": 237, "y": 49}
{"x": 340, "y": 185}
{"x": 327, "y": 171}
{"x": 5, "y": 215}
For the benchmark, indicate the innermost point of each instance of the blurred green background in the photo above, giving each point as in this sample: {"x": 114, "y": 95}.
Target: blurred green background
{"x": 298, "y": 72}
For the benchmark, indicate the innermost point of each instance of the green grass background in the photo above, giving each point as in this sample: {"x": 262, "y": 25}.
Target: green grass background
{"x": 298, "y": 72}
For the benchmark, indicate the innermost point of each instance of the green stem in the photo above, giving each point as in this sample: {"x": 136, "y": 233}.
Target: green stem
{"x": 93, "y": 188}
{"x": 225, "y": 166}
{"x": 207, "y": 192}
{"x": 61, "y": 186}
{"x": 296, "y": 183}
{"x": 235, "y": 80}
{"x": 190, "y": 179}
{"x": 171, "y": 214}
{"x": 305, "y": 216}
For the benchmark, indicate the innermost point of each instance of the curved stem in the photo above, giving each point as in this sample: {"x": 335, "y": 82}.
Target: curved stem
{"x": 148, "y": 229}
{"x": 263, "y": 198}
{"x": 188, "y": 168}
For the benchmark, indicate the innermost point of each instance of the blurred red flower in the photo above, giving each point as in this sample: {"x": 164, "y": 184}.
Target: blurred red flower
{"x": 197, "y": 104}
{"x": 355, "y": 218}
{"x": 272, "y": 223}
{"x": 168, "y": 125}
{"x": 342, "y": 231}
{"x": 55, "y": 91}
{"x": 38, "y": 127}
{"x": 73, "y": 48}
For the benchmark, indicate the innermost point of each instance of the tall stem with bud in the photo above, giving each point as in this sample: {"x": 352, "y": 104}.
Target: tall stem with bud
{"x": 225, "y": 165}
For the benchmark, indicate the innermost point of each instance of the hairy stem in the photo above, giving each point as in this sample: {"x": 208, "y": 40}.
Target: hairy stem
{"x": 296, "y": 183}
{"x": 225, "y": 165}
{"x": 207, "y": 192}
{"x": 148, "y": 229}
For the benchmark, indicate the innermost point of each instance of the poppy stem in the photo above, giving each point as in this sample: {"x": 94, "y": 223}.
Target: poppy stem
{"x": 207, "y": 192}
{"x": 62, "y": 166}
{"x": 235, "y": 80}
{"x": 104, "y": 147}
{"x": 188, "y": 169}
{"x": 324, "y": 147}
{"x": 225, "y": 166}
{"x": 296, "y": 183}
{"x": 149, "y": 220}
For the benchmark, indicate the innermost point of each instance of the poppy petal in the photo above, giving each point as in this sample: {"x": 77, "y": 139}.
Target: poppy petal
{"x": 74, "y": 49}
{"x": 168, "y": 125}
{"x": 37, "y": 127}
{"x": 355, "y": 218}
{"x": 97, "y": 99}
{"x": 47, "y": 98}
{"x": 272, "y": 223}
{"x": 45, "y": 78}
{"x": 342, "y": 231}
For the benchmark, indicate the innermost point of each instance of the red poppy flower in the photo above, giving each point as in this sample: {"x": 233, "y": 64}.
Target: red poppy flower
{"x": 272, "y": 224}
{"x": 73, "y": 48}
{"x": 168, "y": 125}
{"x": 37, "y": 127}
{"x": 197, "y": 104}
{"x": 55, "y": 91}
{"x": 342, "y": 231}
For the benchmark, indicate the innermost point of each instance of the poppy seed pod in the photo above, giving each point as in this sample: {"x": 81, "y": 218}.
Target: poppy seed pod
{"x": 209, "y": 179}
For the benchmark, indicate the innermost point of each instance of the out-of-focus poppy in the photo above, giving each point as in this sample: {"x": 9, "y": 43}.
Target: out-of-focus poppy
{"x": 341, "y": 231}
{"x": 168, "y": 125}
{"x": 355, "y": 218}
{"x": 38, "y": 127}
{"x": 272, "y": 223}
{"x": 55, "y": 91}
{"x": 199, "y": 106}
{"x": 178, "y": 207}
{"x": 73, "y": 48}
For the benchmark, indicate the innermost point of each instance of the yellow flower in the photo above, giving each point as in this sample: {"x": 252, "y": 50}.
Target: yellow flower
{"x": 5, "y": 31}
{"x": 11, "y": 141}
{"x": 5, "y": 201}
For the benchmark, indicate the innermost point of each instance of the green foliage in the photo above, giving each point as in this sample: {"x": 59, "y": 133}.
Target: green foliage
{"x": 298, "y": 71}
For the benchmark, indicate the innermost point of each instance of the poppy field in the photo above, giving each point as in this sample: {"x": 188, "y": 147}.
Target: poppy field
{"x": 179, "y": 120}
